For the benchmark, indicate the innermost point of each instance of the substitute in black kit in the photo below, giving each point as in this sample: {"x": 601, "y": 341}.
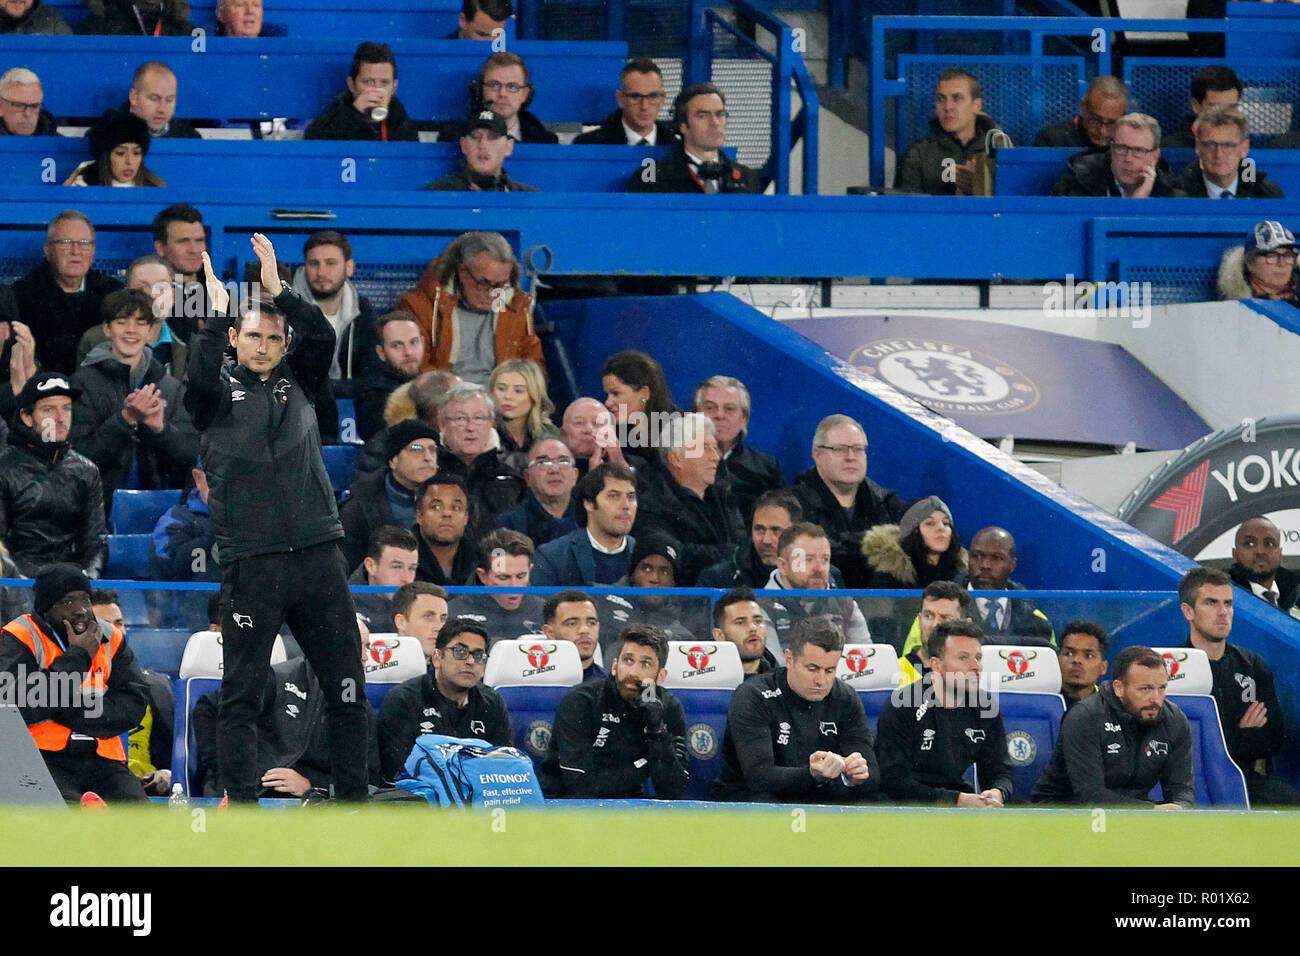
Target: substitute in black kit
{"x": 277, "y": 527}
{"x": 797, "y": 733}
{"x": 613, "y": 736}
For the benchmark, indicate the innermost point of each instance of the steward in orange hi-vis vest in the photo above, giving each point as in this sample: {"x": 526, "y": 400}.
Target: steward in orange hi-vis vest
{"x": 75, "y": 681}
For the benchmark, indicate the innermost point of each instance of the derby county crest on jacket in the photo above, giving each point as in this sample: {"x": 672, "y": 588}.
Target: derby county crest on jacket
{"x": 948, "y": 377}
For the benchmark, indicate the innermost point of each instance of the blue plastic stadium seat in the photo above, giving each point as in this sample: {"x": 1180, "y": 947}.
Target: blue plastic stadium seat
{"x": 706, "y": 726}
{"x": 1033, "y": 724}
{"x": 158, "y": 649}
{"x": 128, "y": 557}
{"x": 347, "y": 419}
{"x": 185, "y": 750}
{"x": 532, "y": 717}
{"x": 136, "y": 512}
{"x": 1218, "y": 781}
{"x": 873, "y": 702}
{"x": 135, "y": 609}
{"x": 340, "y": 463}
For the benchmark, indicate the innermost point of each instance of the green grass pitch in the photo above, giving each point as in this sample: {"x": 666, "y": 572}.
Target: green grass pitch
{"x": 642, "y": 836}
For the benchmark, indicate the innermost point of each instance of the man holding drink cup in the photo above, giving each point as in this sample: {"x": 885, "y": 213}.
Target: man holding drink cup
{"x": 368, "y": 109}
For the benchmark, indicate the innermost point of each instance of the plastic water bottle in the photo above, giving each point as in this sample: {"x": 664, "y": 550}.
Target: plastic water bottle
{"x": 178, "y": 800}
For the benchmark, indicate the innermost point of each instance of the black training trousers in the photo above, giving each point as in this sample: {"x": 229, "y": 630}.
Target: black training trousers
{"x": 79, "y": 769}
{"x": 307, "y": 589}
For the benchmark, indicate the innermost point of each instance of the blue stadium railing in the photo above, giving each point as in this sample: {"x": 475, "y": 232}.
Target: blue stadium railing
{"x": 1021, "y": 36}
{"x": 397, "y": 233}
{"x": 788, "y": 71}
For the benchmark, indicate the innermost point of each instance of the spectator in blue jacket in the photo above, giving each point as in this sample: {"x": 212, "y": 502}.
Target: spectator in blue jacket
{"x": 184, "y": 542}
{"x": 600, "y": 551}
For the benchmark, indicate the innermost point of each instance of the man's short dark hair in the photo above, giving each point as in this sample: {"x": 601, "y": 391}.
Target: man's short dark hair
{"x": 640, "y": 64}
{"x": 1091, "y": 630}
{"x": 817, "y": 630}
{"x": 461, "y": 625}
{"x": 176, "y": 212}
{"x": 957, "y": 73}
{"x": 390, "y": 536}
{"x": 455, "y": 481}
{"x": 593, "y": 483}
{"x": 572, "y": 596}
{"x": 1137, "y": 654}
{"x": 125, "y": 303}
{"x": 369, "y": 52}
{"x": 498, "y": 10}
{"x": 685, "y": 96}
{"x": 262, "y": 304}
{"x": 802, "y": 529}
{"x": 646, "y": 635}
{"x": 946, "y": 591}
{"x": 388, "y": 318}
{"x": 1198, "y": 578}
{"x": 735, "y": 596}
{"x": 938, "y": 639}
{"x": 327, "y": 237}
{"x": 782, "y": 498}
{"x": 407, "y": 595}
{"x": 103, "y": 596}
{"x": 1215, "y": 79}
{"x": 516, "y": 544}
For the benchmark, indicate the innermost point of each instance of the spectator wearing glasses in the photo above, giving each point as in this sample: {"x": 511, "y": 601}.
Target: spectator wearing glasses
{"x": 837, "y": 495}
{"x": 369, "y": 108}
{"x": 503, "y": 86}
{"x": 548, "y": 510}
{"x": 697, "y": 164}
{"x": 21, "y": 112}
{"x": 1131, "y": 168}
{"x": 61, "y": 298}
{"x": 1262, "y": 268}
{"x": 472, "y": 452}
{"x": 640, "y": 97}
{"x": 1092, "y": 129}
{"x": 471, "y": 310}
{"x": 1221, "y": 170}
{"x": 450, "y": 698}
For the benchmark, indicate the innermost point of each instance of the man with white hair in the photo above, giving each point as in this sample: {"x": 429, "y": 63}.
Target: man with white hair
{"x": 679, "y": 495}
{"x": 21, "y": 112}
{"x": 746, "y": 471}
{"x": 473, "y": 452}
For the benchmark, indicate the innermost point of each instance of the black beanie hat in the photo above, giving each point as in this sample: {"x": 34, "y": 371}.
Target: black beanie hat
{"x": 116, "y": 129}
{"x": 657, "y": 542}
{"x": 54, "y": 582}
{"x": 403, "y": 433}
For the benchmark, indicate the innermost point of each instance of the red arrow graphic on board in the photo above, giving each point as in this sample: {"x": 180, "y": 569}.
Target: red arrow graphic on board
{"x": 1184, "y": 500}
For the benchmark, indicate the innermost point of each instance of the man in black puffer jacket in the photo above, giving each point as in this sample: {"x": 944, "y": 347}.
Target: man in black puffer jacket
{"x": 130, "y": 410}
{"x": 51, "y": 501}
{"x": 277, "y": 526}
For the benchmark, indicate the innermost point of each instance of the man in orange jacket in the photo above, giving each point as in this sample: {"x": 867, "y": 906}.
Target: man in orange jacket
{"x": 471, "y": 310}
{"x": 77, "y": 685}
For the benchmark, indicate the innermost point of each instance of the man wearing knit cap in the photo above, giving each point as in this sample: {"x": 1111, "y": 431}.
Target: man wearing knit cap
{"x": 91, "y": 691}
{"x": 656, "y": 563}
{"x": 51, "y": 498}
{"x": 388, "y": 496}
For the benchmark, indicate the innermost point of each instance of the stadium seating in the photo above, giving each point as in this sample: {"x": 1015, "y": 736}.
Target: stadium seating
{"x": 392, "y": 659}
{"x": 1218, "y": 781}
{"x": 702, "y": 675}
{"x": 158, "y": 649}
{"x": 200, "y": 673}
{"x": 298, "y": 77}
{"x": 136, "y": 512}
{"x": 1013, "y": 668}
{"x": 1189, "y": 670}
{"x": 340, "y": 463}
{"x": 1032, "y": 721}
{"x": 533, "y": 674}
{"x": 869, "y": 667}
{"x": 128, "y": 557}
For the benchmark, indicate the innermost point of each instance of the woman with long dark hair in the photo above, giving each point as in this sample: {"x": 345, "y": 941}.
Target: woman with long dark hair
{"x": 922, "y": 547}
{"x": 119, "y": 145}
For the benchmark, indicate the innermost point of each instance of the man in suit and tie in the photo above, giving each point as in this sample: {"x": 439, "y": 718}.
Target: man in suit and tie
{"x": 1005, "y": 620}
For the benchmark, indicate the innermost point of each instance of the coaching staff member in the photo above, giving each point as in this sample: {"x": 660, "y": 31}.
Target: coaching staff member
{"x": 797, "y": 733}
{"x": 277, "y": 527}
{"x": 1120, "y": 742}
